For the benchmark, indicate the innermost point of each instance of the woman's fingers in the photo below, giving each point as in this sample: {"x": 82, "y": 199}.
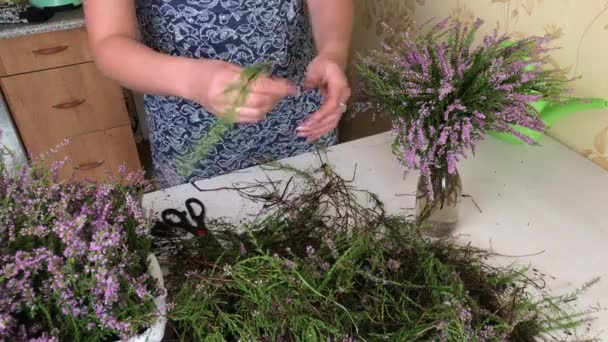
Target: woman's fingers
{"x": 250, "y": 115}
{"x": 326, "y": 125}
{"x": 275, "y": 87}
{"x": 328, "y": 116}
{"x": 337, "y": 93}
{"x": 255, "y": 108}
{"x": 262, "y": 101}
{"x": 261, "y": 98}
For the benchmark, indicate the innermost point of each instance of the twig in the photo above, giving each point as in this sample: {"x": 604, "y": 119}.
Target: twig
{"x": 202, "y": 262}
{"x": 177, "y": 334}
{"x": 519, "y": 256}
{"x": 405, "y": 195}
{"x": 286, "y": 188}
{"x": 513, "y": 256}
{"x": 231, "y": 188}
{"x": 475, "y": 203}
{"x": 354, "y": 175}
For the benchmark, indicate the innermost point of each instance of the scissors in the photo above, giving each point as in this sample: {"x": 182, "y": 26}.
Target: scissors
{"x": 198, "y": 228}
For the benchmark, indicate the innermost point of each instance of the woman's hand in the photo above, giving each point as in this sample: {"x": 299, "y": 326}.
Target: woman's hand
{"x": 327, "y": 75}
{"x": 208, "y": 81}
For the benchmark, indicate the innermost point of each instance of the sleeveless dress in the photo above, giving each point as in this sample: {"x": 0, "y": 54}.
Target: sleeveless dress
{"x": 243, "y": 32}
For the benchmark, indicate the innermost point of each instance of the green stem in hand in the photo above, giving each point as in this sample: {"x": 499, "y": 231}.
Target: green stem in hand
{"x": 226, "y": 121}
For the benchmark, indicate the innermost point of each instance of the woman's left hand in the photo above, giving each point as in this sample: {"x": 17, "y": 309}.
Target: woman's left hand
{"x": 328, "y": 76}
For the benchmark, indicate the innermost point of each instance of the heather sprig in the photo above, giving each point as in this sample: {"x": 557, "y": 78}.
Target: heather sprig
{"x": 73, "y": 257}
{"x": 239, "y": 92}
{"x": 444, "y": 94}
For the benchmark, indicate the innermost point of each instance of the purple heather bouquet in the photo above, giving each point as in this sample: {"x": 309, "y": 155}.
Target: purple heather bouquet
{"x": 444, "y": 94}
{"x": 72, "y": 257}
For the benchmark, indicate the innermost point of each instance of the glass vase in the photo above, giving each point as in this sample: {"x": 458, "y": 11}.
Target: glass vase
{"x": 437, "y": 215}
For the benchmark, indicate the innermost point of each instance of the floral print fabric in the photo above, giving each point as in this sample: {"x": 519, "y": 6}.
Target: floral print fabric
{"x": 243, "y": 32}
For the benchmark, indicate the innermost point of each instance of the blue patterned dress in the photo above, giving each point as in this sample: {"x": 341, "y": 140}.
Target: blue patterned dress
{"x": 243, "y": 32}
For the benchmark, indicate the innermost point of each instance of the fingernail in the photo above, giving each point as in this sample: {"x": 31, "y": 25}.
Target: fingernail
{"x": 302, "y": 128}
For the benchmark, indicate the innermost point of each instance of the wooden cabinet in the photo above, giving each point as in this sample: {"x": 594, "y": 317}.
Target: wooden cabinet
{"x": 43, "y": 51}
{"x": 51, "y": 105}
{"x": 55, "y": 92}
{"x": 97, "y": 154}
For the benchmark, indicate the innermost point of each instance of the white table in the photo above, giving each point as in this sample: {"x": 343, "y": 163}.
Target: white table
{"x": 533, "y": 199}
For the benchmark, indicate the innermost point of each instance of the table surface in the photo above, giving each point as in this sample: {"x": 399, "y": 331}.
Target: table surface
{"x": 544, "y": 206}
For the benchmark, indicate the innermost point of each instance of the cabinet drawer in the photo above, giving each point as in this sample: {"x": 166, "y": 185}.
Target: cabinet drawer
{"x": 51, "y": 105}
{"x": 43, "y": 51}
{"x": 95, "y": 155}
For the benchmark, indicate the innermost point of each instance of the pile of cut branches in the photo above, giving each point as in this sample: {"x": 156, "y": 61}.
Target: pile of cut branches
{"x": 323, "y": 265}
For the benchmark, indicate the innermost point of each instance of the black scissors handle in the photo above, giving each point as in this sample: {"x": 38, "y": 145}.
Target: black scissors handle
{"x": 182, "y": 221}
{"x": 199, "y": 218}
{"x": 169, "y": 216}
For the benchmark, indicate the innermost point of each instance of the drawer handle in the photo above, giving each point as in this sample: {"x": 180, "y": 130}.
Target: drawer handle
{"x": 70, "y": 104}
{"x": 50, "y": 51}
{"x": 89, "y": 166}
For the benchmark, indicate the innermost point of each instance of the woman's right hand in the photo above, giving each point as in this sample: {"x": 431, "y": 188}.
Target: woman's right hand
{"x": 111, "y": 26}
{"x": 206, "y": 82}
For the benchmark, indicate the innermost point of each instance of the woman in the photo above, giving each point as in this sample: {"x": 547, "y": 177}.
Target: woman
{"x": 190, "y": 51}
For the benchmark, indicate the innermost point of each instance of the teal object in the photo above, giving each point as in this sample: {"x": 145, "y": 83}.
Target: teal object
{"x": 54, "y": 3}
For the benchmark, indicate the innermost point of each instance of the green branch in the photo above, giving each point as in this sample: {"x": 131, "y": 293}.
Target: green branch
{"x": 226, "y": 121}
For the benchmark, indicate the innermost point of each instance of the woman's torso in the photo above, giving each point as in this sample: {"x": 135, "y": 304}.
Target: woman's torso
{"x": 243, "y": 32}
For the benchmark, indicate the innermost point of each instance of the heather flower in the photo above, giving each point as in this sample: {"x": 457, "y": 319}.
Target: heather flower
{"x": 227, "y": 270}
{"x": 487, "y": 334}
{"x": 73, "y": 249}
{"x": 443, "y": 94}
{"x": 289, "y": 264}
{"x": 332, "y": 247}
{"x": 393, "y": 264}
{"x": 44, "y": 339}
{"x": 442, "y": 331}
{"x": 310, "y": 251}
{"x": 465, "y": 315}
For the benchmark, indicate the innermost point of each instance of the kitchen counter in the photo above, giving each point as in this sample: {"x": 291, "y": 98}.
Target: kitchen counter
{"x": 540, "y": 206}
{"x": 63, "y": 20}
